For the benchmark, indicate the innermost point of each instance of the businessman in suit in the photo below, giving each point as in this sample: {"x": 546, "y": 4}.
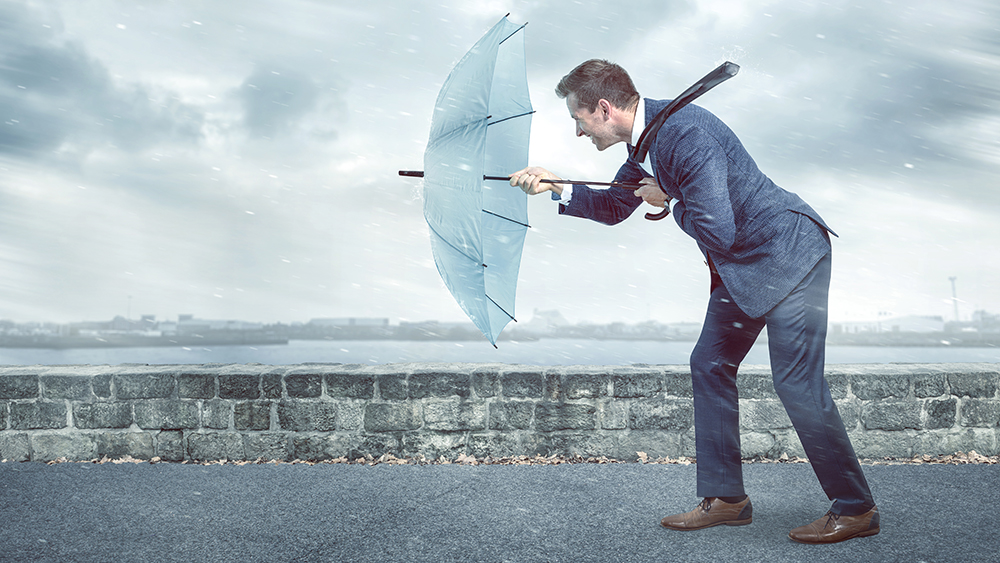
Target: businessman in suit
{"x": 768, "y": 254}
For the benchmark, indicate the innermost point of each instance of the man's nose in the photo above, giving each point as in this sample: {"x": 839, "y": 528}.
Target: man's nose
{"x": 579, "y": 131}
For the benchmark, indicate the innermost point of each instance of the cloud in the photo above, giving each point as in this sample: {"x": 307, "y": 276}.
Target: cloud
{"x": 56, "y": 98}
{"x": 274, "y": 102}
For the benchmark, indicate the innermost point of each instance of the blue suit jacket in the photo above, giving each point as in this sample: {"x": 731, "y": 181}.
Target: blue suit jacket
{"x": 762, "y": 239}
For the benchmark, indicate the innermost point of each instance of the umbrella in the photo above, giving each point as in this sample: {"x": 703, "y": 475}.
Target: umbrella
{"x": 479, "y": 134}
{"x": 480, "y": 127}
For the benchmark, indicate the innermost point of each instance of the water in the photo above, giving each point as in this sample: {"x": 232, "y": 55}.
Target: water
{"x": 541, "y": 352}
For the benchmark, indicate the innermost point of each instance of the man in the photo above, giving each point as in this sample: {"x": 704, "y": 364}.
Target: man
{"x": 769, "y": 257}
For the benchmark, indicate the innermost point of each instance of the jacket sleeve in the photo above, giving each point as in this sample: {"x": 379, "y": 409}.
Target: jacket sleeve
{"x": 610, "y": 206}
{"x": 698, "y": 166}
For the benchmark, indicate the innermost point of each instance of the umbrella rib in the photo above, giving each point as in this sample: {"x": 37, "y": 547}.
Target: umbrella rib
{"x": 514, "y": 32}
{"x": 501, "y": 308}
{"x": 507, "y": 218}
{"x": 457, "y": 249}
{"x": 511, "y": 117}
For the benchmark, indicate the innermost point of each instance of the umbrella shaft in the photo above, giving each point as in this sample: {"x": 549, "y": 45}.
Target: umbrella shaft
{"x": 626, "y": 185}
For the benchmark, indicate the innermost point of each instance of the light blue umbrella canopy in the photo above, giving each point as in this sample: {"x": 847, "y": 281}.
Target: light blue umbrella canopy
{"x": 480, "y": 127}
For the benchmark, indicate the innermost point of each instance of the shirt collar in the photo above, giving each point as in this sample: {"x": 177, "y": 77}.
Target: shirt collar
{"x": 639, "y": 123}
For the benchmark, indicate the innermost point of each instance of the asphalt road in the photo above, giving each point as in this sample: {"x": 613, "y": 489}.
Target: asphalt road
{"x": 172, "y": 512}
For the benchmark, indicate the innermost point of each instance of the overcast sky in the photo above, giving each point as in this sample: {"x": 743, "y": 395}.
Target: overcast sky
{"x": 239, "y": 159}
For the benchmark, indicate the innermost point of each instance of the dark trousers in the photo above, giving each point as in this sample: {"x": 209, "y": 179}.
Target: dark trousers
{"x": 796, "y": 332}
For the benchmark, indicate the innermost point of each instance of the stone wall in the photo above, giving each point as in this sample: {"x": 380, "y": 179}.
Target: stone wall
{"x": 327, "y": 411}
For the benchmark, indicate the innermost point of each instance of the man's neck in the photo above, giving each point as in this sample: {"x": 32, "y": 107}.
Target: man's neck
{"x": 638, "y": 121}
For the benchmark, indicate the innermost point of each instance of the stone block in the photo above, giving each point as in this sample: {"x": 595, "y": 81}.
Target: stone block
{"x": 974, "y": 385}
{"x": 268, "y": 446}
{"x": 940, "y": 413}
{"x": 850, "y": 413}
{"x": 439, "y": 383}
{"x": 454, "y": 415}
{"x": 351, "y": 446}
{"x": 575, "y": 386}
{"x": 350, "y": 385}
{"x": 755, "y": 383}
{"x": 170, "y": 445}
{"x": 688, "y": 445}
{"x": 585, "y": 444}
{"x": 350, "y": 415}
{"x": 949, "y": 441}
{"x": 511, "y": 415}
{"x": 551, "y": 388}
{"x": 116, "y": 445}
{"x": 39, "y": 415}
{"x": 101, "y": 385}
{"x": 433, "y": 445}
{"x": 891, "y": 415}
{"x": 661, "y": 414}
{"x": 196, "y": 386}
{"x": 19, "y": 387}
{"x": 984, "y": 413}
{"x": 486, "y": 382}
{"x": 304, "y": 385}
{"x": 239, "y": 386}
{"x": 270, "y": 385}
{"x": 526, "y": 384}
{"x": 787, "y": 442}
{"x": 144, "y": 386}
{"x": 14, "y": 446}
{"x": 838, "y": 384}
{"x": 166, "y": 414}
{"x": 763, "y": 415}
{"x": 637, "y": 383}
{"x": 880, "y": 386}
{"x": 252, "y": 415}
{"x": 71, "y": 387}
{"x": 757, "y": 444}
{"x": 216, "y": 414}
{"x": 876, "y": 444}
{"x": 73, "y": 447}
{"x": 929, "y": 385}
{"x": 215, "y": 446}
{"x": 494, "y": 445}
{"x": 102, "y": 415}
{"x": 654, "y": 443}
{"x": 678, "y": 384}
{"x": 392, "y": 417}
{"x": 307, "y": 416}
{"x": 613, "y": 415}
{"x": 391, "y": 386}
{"x": 550, "y": 417}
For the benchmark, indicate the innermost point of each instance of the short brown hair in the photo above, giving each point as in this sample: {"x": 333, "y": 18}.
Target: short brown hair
{"x": 596, "y": 79}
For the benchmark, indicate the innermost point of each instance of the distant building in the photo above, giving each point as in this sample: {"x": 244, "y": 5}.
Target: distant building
{"x": 909, "y": 323}
{"x": 350, "y": 321}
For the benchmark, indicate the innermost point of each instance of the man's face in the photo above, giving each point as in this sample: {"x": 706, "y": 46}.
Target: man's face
{"x": 593, "y": 123}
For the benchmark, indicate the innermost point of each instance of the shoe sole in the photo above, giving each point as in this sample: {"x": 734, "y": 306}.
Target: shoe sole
{"x": 724, "y": 523}
{"x": 864, "y": 534}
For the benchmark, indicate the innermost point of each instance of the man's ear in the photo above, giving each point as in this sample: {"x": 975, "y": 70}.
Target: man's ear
{"x": 605, "y": 108}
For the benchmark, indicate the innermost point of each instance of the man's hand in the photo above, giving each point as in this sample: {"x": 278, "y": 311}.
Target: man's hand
{"x": 651, "y": 193}
{"x": 530, "y": 181}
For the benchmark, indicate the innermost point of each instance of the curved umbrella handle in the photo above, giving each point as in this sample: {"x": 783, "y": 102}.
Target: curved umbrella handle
{"x": 658, "y": 216}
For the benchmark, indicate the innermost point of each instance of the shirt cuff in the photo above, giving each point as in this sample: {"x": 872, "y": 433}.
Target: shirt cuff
{"x": 567, "y": 195}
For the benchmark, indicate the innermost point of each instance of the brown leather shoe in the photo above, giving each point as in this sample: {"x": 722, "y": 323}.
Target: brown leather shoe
{"x": 711, "y": 512}
{"x": 833, "y": 528}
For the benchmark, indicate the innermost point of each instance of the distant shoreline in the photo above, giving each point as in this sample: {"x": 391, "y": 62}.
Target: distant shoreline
{"x": 236, "y": 338}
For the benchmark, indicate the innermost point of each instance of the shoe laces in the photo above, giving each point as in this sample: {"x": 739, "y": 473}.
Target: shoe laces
{"x": 831, "y": 517}
{"x": 706, "y": 504}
